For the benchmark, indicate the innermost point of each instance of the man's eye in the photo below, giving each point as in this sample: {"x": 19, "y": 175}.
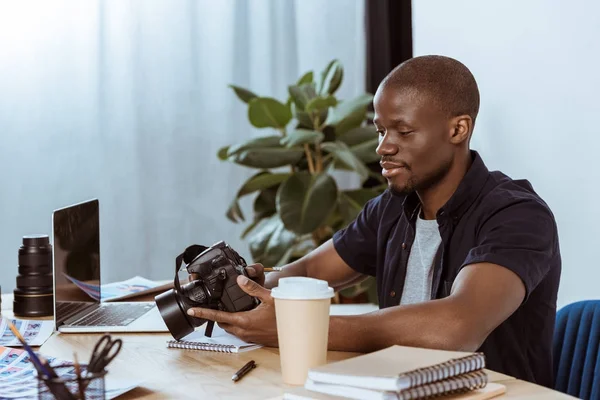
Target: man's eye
{"x": 404, "y": 133}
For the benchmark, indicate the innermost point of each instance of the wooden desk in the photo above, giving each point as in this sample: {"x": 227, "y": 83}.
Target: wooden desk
{"x": 188, "y": 374}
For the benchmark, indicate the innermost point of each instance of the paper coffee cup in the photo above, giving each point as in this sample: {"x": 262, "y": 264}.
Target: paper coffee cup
{"x": 302, "y": 312}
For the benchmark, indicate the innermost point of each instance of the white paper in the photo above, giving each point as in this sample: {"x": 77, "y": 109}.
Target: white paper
{"x": 35, "y": 333}
{"x": 219, "y": 336}
{"x": 18, "y": 377}
{"x": 117, "y": 290}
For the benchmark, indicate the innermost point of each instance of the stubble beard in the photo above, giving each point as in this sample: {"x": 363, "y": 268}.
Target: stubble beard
{"x": 414, "y": 183}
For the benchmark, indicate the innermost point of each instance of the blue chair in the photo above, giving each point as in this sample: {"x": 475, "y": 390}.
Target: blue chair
{"x": 577, "y": 350}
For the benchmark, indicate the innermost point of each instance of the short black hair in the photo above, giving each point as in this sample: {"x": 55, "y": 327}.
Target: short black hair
{"x": 446, "y": 81}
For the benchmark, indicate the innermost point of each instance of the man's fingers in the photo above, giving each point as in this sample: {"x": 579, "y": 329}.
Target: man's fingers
{"x": 258, "y": 267}
{"x": 255, "y": 270}
{"x": 251, "y": 272}
{"x": 214, "y": 315}
{"x": 232, "y": 329}
{"x": 253, "y": 288}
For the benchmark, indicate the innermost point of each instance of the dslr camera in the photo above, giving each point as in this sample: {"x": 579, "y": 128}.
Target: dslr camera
{"x": 212, "y": 285}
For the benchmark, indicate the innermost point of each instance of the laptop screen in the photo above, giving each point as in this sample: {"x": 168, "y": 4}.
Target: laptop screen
{"x": 76, "y": 245}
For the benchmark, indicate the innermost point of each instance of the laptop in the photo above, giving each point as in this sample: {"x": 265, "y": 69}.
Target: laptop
{"x": 77, "y": 279}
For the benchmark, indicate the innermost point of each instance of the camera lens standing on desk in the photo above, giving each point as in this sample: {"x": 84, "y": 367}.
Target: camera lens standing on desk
{"x": 33, "y": 296}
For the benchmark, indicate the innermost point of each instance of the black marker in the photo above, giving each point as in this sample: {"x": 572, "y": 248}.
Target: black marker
{"x": 243, "y": 371}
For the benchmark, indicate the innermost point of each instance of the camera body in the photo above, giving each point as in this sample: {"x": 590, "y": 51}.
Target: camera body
{"x": 214, "y": 285}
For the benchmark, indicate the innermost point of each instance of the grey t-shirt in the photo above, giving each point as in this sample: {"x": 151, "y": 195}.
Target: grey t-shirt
{"x": 419, "y": 271}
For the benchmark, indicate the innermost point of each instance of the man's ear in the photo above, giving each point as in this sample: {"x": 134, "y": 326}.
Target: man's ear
{"x": 461, "y": 128}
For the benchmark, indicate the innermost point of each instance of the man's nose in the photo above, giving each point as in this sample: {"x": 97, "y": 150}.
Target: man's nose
{"x": 385, "y": 146}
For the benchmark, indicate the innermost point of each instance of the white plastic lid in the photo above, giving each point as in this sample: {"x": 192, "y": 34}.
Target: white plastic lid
{"x": 301, "y": 288}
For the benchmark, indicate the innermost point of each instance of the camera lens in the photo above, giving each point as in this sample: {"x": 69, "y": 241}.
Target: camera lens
{"x": 173, "y": 308}
{"x": 196, "y": 292}
{"x": 33, "y": 296}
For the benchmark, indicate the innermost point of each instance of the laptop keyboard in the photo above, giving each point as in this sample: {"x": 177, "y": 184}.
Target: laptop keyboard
{"x": 68, "y": 307}
{"x": 114, "y": 315}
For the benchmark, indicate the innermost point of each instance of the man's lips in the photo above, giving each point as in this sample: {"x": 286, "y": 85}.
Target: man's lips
{"x": 390, "y": 169}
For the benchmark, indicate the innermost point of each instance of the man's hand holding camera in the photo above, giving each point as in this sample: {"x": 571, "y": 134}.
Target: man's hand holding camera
{"x": 257, "y": 325}
{"x": 257, "y": 273}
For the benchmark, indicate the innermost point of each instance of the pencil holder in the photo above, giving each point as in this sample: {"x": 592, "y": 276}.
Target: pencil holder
{"x": 68, "y": 385}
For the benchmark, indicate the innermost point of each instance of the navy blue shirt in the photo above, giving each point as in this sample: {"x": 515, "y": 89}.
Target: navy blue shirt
{"x": 490, "y": 218}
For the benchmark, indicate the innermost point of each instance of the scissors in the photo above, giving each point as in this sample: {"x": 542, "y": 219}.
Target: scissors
{"x": 105, "y": 350}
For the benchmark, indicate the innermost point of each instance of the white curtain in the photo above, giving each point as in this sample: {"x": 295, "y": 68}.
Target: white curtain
{"x": 127, "y": 101}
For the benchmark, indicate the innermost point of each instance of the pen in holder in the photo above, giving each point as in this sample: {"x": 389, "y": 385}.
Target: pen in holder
{"x": 79, "y": 385}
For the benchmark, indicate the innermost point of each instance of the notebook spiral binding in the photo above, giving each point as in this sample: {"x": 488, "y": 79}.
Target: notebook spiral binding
{"x": 457, "y": 366}
{"x": 221, "y": 348}
{"x": 458, "y": 384}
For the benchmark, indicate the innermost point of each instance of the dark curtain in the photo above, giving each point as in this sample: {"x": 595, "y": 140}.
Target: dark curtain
{"x": 389, "y": 37}
{"x": 389, "y": 43}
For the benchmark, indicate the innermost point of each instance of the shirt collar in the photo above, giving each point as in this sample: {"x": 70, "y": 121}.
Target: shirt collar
{"x": 468, "y": 189}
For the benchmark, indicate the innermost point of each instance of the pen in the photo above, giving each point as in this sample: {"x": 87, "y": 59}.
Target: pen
{"x": 272, "y": 269}
{"x": 243, "y": 371}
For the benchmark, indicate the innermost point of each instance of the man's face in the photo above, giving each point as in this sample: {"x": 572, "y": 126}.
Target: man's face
{"x": 414, "y": 140}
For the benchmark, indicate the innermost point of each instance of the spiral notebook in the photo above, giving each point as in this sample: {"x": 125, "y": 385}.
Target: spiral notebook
{"x": 220, "y": 341}
{"x": 400, "y": 372}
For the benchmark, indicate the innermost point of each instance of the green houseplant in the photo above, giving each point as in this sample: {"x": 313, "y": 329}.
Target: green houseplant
{"x": 298, "y": 203}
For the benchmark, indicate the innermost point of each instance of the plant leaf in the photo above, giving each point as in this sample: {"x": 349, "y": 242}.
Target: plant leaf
{"x": 306, "y": 78}
{"x": 302, "y": 94}
{"x": 259, "y": 142}
{"x": 349, "y": 114}
{"x": 331, "y": 77}
{"x": 266, "y": 112}
{"x": 304, "y": 201}
{"x": 259, "y": 181}
{"x": 264, "y": 152}
{"x": 222, "y": 153}
{"x": 265, "y": 204}
{"x": 344, "y": 155}
{"x": 358, "y": 135}
{"x": 270, "y": 241}
{"x": 264, "y": 207}
{"x": 262, "y": 180}
{"x": 366, "y": 151}
{"x": 243, "y": 94}
{"x": 335, "y": 219}
{"x": 304, "y": 120}
{"x": 359, "y": 197}
{"x": 234, "y": 211}
{"x": 268, "y": 157}
{"x": 320, "y": 103}
{"x": 299, "y": 137}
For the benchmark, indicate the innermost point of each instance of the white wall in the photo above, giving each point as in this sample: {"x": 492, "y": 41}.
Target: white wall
{"x": 537, "y": 64}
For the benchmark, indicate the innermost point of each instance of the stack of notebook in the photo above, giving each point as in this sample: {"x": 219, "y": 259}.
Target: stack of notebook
{"x": 403, "y": 373}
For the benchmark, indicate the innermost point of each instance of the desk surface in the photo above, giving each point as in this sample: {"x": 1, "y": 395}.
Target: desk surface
{"x": 180, "y": 374}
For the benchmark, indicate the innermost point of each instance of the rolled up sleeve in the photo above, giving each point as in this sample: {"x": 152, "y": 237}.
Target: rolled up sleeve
{"x": 521, "y": 237}
{"x": 357, "y": 243}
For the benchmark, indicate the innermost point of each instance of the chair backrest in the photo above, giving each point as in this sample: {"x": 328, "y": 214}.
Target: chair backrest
{"x": 576, "y": 350}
